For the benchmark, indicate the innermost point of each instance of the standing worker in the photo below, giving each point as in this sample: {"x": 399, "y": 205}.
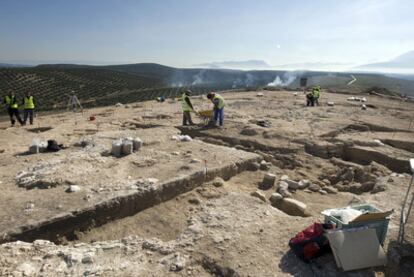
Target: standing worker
{"x": 187, "y": 108}
{"x": 74, "y": 102}
{"x": 316, "y": 93}
{"x": 219, "y": 104}
{"x": 12, "y": 108}
{"x": 29, "y": 106}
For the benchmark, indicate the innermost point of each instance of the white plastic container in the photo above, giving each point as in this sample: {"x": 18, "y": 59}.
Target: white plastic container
{"x": 116, "y": 148}
{"x": 127, "y": 147}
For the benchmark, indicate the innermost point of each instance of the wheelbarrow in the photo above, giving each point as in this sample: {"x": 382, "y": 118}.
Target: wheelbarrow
{"x": 206, "y": 116}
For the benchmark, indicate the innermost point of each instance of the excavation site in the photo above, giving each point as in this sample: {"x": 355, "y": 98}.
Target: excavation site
{"x": 127, "y": 190}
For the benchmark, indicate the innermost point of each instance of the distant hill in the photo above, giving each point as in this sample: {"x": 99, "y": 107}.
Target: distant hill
{"x": 401, "y": 64}
{"x": 10, "y": 65}
{"x": 107, "y": 85}
{"x": 243, "y": 65}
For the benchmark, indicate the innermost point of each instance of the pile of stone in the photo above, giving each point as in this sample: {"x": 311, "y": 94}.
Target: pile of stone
{"x": 355, "y": 178}
{"x": 125, "y": 146}
{"x": 41, "y": 175}
{"x": 282, "y": 198}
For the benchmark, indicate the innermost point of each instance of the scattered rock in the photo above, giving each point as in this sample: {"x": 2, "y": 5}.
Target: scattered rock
{"x": 314, "y": 187}
{"x": 73, "y": 188}
{"x": 29, "y": 207}
{"x": 284, "y": 177}
{"x": 355, "y": 200}
{"x": 330, "y": 190}
{"x": 304, "y": 184}
{"x": 259, "y": 195}
{"x": 268, "y": 181}
{"x": 380, "y": 185}
{"x": 292, "y": 184}
{"x": 194, "y": 201}
{"x": 275, "y": 198}
{"x": 323, "y": 192}
{"x": 87, "y": 259}
{"x": 177, "y": 263}
{"x": 326, "y": 182}
{"x": 355, "y": 188}
{"x": 264, "y": 165}
{"x": 185, "y": 167}
{"x": 263, "y": 123}
{"x": 284, "y": 189}
{"x": 195, "y": 161}
{"x": 254, "y": 166}
{"x": 292, "y": 207}
{"x": 218, "y": 182}
{"x": 248, "y": 131}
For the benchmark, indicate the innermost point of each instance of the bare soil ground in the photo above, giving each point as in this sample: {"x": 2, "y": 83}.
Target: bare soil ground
{"x": 157, "y": 212}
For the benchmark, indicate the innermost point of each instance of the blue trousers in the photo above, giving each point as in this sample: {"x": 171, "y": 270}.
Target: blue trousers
{"x": 219, "y": 116}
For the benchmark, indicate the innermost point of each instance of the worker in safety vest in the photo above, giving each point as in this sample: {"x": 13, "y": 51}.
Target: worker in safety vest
{"x": 12, "y": 108}
{"x": 187, "y": 108}
{"x": 219, "y": 104}
{"x": 316, "y": 93}
{"x": 29, "y": 105}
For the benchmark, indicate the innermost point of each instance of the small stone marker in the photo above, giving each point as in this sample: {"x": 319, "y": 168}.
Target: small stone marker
{"x": 268, "y": 181}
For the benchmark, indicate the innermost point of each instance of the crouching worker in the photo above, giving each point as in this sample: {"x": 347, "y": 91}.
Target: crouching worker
{"x": 309, "y": 99}
{"x": 219, "y": 104}
{"x": 316, "y": 93}
{"x": 187, "y": 108}
{"x": 29, "y": 106}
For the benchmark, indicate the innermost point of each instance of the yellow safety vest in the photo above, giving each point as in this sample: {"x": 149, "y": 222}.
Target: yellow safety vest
{"x": 28, "y": 103}
{"x": 10, "y": 100}
{"x": 316, "y": 92}
{"x": 184, "y": 104}
{"x": 221, "y": 101}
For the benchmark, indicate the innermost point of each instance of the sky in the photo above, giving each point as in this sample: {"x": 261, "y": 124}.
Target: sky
{"x": 184, "y": 33}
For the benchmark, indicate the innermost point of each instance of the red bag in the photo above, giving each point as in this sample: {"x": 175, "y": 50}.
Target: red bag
{"x": 311, "y": 242}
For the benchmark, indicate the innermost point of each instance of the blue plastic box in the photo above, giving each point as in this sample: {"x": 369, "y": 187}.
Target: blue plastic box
{"x": 380, "y": 224}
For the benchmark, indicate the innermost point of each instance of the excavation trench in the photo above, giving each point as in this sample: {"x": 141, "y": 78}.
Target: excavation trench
{"x": 404, "y": 145}
{"x": 363, "y": 127}
{"x": 247, "y": 145}
{"x": 64, "y": 227}
{"x": 283, "y": 157}
{"x": 358, "y": 154}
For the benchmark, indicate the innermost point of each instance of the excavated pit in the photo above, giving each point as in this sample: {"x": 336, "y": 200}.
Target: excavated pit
{"x": 66, "y": 226}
